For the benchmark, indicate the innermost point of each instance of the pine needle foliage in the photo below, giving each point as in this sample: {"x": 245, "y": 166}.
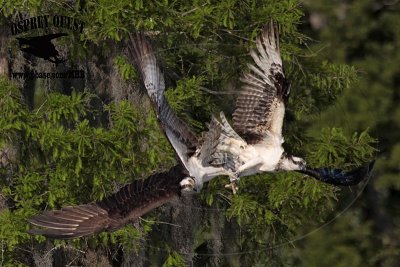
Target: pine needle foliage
{"x": 60, "y": 151}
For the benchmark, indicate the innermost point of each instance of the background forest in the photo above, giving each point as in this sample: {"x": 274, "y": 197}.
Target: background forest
{"x": 72, "y": 141}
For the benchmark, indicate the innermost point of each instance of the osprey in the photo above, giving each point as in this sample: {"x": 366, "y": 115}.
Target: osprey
{"x": 139, "y": 197}
{"x": 254, "y": 143}
{"x": 258, "y": 120}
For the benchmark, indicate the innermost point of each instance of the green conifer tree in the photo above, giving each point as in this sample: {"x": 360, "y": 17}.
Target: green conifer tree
{"x": 78, "y": 142}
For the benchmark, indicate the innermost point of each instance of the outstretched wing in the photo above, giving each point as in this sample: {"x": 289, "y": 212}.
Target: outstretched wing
{"x": 340, "y": 177}
{"x": 260, "y": 106}
{"x": 113, "y": 212}
{"x": 179, "y": 135}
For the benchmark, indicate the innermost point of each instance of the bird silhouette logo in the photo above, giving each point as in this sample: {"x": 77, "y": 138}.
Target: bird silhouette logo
{"x": 42, "y": 47}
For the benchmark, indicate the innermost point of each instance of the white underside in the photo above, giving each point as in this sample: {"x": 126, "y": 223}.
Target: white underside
{"x": 258, "y": 158}
{"x": 265, "y": 156}
{"x": 200, "y": 174}
{"x": 262, "y": 157}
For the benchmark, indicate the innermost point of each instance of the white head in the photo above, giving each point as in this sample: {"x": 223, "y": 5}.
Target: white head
{"x": 189, "y": 185}
{"x": 291, "y": 163}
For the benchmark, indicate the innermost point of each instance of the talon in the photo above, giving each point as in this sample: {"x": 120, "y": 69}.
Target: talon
{"x": 232, "y": 186}
{"x": 233, "y": 178}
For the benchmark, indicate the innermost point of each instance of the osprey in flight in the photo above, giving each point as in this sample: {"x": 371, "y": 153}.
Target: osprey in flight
{"x": 253, "y": 145}
{"x": 139, "y": 197}
{"x": 258, "y": 120}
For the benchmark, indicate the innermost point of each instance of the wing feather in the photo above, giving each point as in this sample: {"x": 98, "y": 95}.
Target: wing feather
{"x": 113, "y": 212}
{"x": 260, "y": 104}
{"x": 214, "y": 150}
{"x": 178, "y": 133}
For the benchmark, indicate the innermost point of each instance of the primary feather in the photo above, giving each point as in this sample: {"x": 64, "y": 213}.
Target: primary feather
{"x": 260, "y": 106}
{"x": 126, "y": 205}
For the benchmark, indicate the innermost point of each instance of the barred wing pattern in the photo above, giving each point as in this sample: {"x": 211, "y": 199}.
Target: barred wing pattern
{"x": 260, "y": 105}
{"x": 214, "y": 150}
{"x": 179, "y": 135}
{"x": 71, "y": 222}
{"x": 113, "y": 212}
